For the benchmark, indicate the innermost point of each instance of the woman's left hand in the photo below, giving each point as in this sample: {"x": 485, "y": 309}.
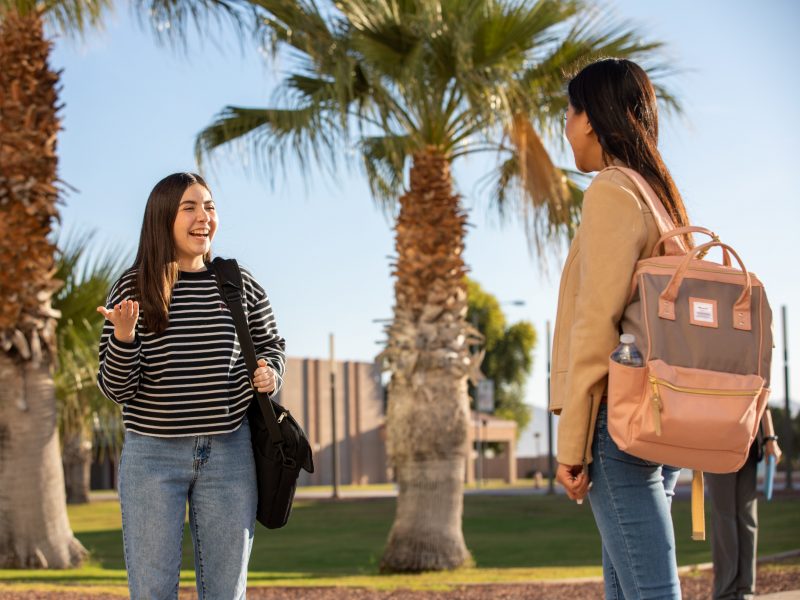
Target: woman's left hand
{"x": 264, "y": 377}
{"x": 771, "y": 447}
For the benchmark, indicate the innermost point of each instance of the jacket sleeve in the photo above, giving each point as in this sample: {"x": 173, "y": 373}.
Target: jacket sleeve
{"x": 613, "y": 234}
{"x": 268, "y": 343}
{"x": 118, "y": 375}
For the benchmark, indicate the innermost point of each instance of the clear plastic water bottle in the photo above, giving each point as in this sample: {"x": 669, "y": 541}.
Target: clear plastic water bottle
{"x": 627, "y": 353}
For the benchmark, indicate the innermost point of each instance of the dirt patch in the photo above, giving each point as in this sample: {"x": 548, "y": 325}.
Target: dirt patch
{"x": 772, "y": 578}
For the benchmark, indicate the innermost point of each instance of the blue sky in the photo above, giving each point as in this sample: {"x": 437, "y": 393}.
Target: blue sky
{"x": 321, "y": 246}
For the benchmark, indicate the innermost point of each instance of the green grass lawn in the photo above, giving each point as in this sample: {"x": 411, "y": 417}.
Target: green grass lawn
{"x": 511, "y": 538}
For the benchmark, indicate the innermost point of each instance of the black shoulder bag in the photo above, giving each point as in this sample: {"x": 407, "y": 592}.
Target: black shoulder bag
{"x": 280, "y": 446}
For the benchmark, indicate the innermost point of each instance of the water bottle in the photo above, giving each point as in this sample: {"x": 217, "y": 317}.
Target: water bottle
{"x": 627, "y": 353}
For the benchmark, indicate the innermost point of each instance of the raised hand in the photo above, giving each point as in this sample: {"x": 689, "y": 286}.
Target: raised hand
{"x": 124, "y": 317}
{"x": 264, "y": 377}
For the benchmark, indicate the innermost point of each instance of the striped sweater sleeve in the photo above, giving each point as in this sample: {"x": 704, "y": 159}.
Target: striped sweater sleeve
{"x": 268, "y": 343}
{"x": 118, "y": 375}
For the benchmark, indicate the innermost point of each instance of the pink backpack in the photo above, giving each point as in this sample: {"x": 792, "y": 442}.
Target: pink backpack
{"x": 705, "y": 332}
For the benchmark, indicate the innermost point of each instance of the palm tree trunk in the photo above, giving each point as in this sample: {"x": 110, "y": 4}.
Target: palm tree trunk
{"x": 428, "y": 355}
{"x": 34, "y": 529}
{"x": 77, "y": 459}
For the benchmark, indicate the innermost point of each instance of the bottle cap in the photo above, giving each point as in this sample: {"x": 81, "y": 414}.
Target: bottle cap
{"x": 627, "y": 338}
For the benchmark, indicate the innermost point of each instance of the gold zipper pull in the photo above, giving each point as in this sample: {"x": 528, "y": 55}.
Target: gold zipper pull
{"x": 657, "y": 406}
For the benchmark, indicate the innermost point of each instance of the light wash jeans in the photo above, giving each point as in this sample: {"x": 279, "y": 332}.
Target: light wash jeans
{"x": 631, "y": 501}
{"x": 216, "y": 474}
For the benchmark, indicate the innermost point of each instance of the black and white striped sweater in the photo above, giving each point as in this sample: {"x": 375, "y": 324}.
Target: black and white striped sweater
{"x": 191, "y": 379}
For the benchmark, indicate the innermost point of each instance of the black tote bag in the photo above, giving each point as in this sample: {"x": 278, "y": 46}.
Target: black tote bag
{"x": 280, "y": 447}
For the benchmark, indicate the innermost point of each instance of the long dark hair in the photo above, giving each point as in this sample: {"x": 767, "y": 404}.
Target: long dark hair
{"x": 620, "y": 102}
{"x": 156, "y": 260}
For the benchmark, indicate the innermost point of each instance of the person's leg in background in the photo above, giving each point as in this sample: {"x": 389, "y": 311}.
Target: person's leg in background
{"x": 747, "y": 526}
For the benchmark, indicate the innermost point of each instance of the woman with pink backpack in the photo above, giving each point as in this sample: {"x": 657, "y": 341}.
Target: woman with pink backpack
{"x": 612, "y": 120}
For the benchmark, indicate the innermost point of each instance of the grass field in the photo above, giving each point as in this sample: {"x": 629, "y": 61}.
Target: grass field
{"x": 512, "y": 538}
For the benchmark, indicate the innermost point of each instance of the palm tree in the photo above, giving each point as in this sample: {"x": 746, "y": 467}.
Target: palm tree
{"x": 423, "y": 83}
{"x": 34, "y": 529}
{"x": 84, "y": 414}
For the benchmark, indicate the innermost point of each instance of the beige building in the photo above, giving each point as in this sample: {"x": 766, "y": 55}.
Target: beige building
{"x": 360, "y": 414}
{"x": 490, "y": 429}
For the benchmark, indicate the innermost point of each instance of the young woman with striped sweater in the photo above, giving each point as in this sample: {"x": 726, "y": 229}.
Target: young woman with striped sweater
{"x": 169, "y": 356}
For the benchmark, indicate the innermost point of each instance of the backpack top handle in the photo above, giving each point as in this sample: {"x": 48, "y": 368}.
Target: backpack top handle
{"x": 726, "y": 259}
{"x": 741, "y": 309}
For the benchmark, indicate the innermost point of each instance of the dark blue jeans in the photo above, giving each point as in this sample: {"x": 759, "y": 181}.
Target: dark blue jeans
{"x": 631, "y": 500}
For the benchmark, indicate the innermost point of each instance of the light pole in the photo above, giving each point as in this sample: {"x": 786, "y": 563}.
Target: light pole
{"x": 334, "y": 445}
{"x": 787, "y": 446}
{"x": 550, "y": 466}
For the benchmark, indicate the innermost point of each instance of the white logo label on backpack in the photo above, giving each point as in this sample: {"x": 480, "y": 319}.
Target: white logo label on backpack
{"x": 703, "y": 312}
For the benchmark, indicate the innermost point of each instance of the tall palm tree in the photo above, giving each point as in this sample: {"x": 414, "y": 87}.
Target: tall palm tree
{"x": 34, "y": 529}
{"x": 83, "y": 412}
{"x": 424, "y": 83}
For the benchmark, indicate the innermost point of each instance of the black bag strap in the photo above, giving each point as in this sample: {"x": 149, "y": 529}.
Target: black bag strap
{"x": 229, "y": 280}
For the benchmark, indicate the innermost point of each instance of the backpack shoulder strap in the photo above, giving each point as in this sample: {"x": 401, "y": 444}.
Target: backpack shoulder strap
{"x": 229, "y": 281}
{"x": 673, "y": 245}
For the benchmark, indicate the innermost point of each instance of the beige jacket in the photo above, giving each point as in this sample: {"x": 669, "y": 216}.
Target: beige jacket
{"x": 617, "y": 229}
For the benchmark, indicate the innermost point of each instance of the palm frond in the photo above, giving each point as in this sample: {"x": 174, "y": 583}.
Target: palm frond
{"x": 461, "y": 76}
{"x": 270, "y": 136}
{"x": 593, "y": 35}
{"x": 68, "y": 17}
{"x": 543, "y": 183}
{"x": 391, "y": 40}
{"x": 296, "y": 23}
{"x": 546, "y": 222}
{"x": 171, "y": 20}
{"x": 384, "y": 161}
{"x": 507, "y": 31}
{"x": 87, "y": 275}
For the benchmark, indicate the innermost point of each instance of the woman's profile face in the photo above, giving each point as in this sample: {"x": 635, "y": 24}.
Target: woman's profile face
{"x": 581, "y": 138}
{"x": 195, "y": 226}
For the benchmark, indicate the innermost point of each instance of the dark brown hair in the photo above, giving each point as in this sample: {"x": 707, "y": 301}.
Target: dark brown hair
{"x": 156, "y": 260}
{"x": 620, "y": 102}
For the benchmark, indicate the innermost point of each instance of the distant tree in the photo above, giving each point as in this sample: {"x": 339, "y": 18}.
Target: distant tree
{"x": 508, "y": 355}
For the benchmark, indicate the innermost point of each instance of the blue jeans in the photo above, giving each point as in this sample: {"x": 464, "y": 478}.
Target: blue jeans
{"x": 631, "y": 500}
{"x": 216, "y": 474}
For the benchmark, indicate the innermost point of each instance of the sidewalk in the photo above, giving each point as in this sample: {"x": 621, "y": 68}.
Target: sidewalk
{"x": 683, "y": 490}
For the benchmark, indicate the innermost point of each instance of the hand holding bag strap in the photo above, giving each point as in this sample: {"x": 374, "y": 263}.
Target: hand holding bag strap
{"x": 673, "y": 245}
{"x": 741, "y": 309}
{"x": 229, "y": 278}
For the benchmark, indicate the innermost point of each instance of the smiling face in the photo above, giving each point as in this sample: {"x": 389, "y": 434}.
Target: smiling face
{"x": 194, "y": 227}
